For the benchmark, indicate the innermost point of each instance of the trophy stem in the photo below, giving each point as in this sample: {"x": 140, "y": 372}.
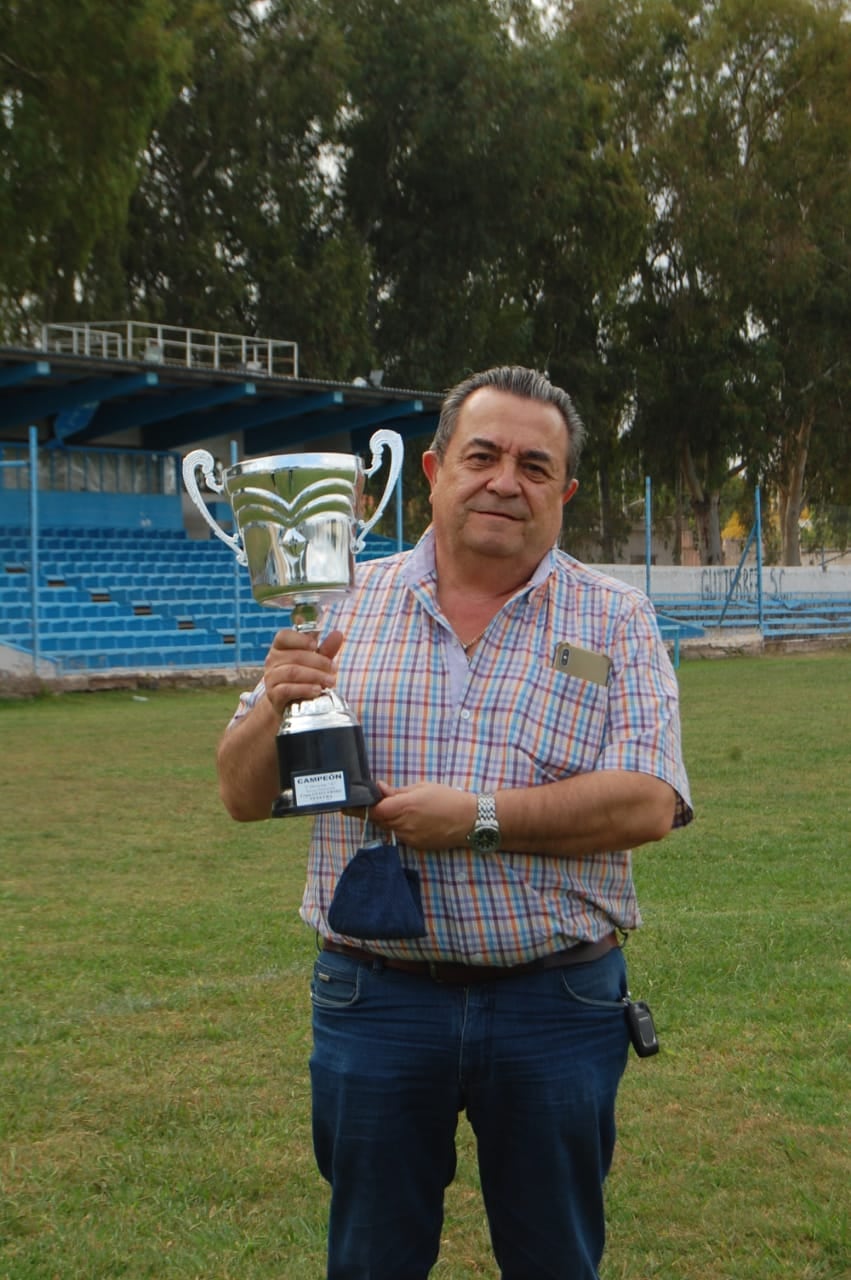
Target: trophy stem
{"x": 307, "y": 615}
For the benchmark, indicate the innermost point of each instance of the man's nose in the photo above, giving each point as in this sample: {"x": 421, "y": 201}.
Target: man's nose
{"x": 505, "y": 477}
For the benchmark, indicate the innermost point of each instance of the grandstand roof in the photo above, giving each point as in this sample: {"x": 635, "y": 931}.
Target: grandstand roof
{"x": 102, "y": 400}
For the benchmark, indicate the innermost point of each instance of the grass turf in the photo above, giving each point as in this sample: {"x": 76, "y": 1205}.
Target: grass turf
{"x": 154, "y": 1102}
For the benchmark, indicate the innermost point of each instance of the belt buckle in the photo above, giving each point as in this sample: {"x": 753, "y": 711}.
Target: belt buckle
{"x": 433, "y": 967}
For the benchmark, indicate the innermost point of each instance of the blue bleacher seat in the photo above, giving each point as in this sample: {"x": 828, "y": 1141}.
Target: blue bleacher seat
{"x": 176, "y": 576}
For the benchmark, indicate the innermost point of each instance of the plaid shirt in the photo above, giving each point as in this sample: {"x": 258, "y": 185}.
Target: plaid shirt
{"x": 505, "y": 718}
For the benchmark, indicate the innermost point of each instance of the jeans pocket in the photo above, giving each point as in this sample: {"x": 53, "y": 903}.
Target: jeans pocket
{"x": 601, "y": 983}
{"x": 336, "y": 982}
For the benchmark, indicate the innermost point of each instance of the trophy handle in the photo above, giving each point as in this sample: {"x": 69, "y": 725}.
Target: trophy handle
{"x": 378, "y": 442}
{"x": 205, "y": 460}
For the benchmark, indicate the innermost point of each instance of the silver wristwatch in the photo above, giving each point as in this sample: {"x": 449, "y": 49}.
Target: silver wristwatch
{"x": 485, "y": 835}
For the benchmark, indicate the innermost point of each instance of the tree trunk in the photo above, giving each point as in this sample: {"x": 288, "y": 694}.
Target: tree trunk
{"x": 678, "y": 517}
{"x": 607, "y": 537}
{"x": 790, "y": 487}
{"x": 707, "y": 517}
{"x": 706, "y": 506}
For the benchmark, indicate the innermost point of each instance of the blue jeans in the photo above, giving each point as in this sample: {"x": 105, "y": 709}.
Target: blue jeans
{"x": 397, "y": 1057}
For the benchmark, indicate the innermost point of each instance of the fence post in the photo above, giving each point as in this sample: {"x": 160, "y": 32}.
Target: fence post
{"x": 758, "y": 534}
{"x": 33, "y": 434}
{"x": 237, "y": 578}
{"x": 648, "y": 533}
{"x": 400, "y": 540}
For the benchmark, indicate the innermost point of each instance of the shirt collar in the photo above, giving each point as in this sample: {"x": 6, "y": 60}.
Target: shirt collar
{"x": 420, "y": 566}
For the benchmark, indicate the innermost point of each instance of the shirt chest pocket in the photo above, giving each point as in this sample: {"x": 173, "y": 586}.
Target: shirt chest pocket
{"x": 557, "y": 725}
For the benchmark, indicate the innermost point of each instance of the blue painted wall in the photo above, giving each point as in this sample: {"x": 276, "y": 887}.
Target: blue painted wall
{"x": 58, "y": 510}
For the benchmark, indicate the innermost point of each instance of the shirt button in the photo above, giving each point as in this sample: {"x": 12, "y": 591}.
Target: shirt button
{"x": 465, "y": 715}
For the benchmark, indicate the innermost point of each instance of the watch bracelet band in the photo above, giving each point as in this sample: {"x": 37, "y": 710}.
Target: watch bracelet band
{"x": 485, "y": 807}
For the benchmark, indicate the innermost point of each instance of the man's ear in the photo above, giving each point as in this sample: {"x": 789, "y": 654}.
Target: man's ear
{"x": 570, "y": 491}
{"x": 431, "y": 466}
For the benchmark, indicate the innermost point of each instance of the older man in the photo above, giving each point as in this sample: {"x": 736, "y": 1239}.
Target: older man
{"x": 521, "y": 715}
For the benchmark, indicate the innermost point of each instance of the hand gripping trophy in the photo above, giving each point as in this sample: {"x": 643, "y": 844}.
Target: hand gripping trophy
{"x": 299, "y": 527}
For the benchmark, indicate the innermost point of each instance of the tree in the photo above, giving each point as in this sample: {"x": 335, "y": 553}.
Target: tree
{"x": 498, "y": 218}
{"x": 81, "y": 87}
{"x": 235, "y": 224}
{"x": 469, "y": 148}
{"x": 791, "y": 69}
{"x": 738, "y": 117}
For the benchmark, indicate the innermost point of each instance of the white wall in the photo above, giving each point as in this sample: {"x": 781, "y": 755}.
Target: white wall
{"x": 713, "y": 583}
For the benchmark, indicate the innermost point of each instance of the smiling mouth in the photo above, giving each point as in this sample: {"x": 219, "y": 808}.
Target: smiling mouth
{"x": 499, "y": 515}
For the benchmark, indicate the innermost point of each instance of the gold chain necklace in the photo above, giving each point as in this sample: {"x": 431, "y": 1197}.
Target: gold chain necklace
{"x": 475, "y": 640}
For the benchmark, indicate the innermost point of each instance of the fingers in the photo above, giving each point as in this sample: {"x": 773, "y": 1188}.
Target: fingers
{"x": 287, "y": 641}
{"x": 425, "y": 815}
{"x": 362, "y": 813}
{"x": 297, "y": 668}
{"x": 332, "y": 644}
{"x": 395, "y": 808}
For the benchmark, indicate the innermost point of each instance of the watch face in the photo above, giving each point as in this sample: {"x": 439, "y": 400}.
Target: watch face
{"x": 484, "y": 839}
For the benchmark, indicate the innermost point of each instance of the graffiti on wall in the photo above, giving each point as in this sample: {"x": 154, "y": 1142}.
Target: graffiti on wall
{"x": 716, "y": 583}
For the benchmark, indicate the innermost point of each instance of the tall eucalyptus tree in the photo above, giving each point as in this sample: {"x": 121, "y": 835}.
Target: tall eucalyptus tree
{"x": 738, "y": 117}
{"x": 81, "y": 86}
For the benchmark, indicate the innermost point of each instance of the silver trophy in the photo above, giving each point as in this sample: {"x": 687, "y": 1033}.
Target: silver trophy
{"x": 299, "y": 526}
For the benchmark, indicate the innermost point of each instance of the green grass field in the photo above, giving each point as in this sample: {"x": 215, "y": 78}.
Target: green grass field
{"x": 154, "y": 1033}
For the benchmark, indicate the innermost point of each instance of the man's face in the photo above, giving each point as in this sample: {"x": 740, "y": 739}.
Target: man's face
{"x": 500, "y": 489}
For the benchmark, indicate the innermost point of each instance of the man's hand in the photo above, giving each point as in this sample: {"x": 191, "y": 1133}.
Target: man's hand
{"x": 298, "y": 669}
{"x": 427, "y": 815}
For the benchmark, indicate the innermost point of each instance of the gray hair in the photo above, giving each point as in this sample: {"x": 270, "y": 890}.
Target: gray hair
{"x": 517, "y": 381}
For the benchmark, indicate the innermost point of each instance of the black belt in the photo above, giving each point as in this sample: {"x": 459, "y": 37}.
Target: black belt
{"x": 465, "y": 975}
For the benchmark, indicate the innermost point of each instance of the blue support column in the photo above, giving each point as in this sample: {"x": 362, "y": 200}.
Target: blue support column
{"x": 237, "y": 580}
{"x": 36, "y": 630}
{"x": 758, "y": 535}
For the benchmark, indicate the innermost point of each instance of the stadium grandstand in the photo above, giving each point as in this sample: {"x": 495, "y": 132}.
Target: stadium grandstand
{"x": 105, "y": 564}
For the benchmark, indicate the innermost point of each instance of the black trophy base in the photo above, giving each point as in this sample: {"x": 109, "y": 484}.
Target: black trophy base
{"x": 322, "y": 770}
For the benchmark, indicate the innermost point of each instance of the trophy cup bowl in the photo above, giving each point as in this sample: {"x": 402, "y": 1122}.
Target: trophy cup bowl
{"x": 299, "y": 528}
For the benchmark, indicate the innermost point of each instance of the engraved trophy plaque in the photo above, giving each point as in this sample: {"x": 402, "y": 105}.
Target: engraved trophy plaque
{"x": 299, "y": 527}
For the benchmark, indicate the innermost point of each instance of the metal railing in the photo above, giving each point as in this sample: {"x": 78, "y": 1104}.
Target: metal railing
{"x": 170, "y": 344}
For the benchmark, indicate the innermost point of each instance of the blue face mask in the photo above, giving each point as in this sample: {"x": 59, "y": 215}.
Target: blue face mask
{"x": 377, "y": 898}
